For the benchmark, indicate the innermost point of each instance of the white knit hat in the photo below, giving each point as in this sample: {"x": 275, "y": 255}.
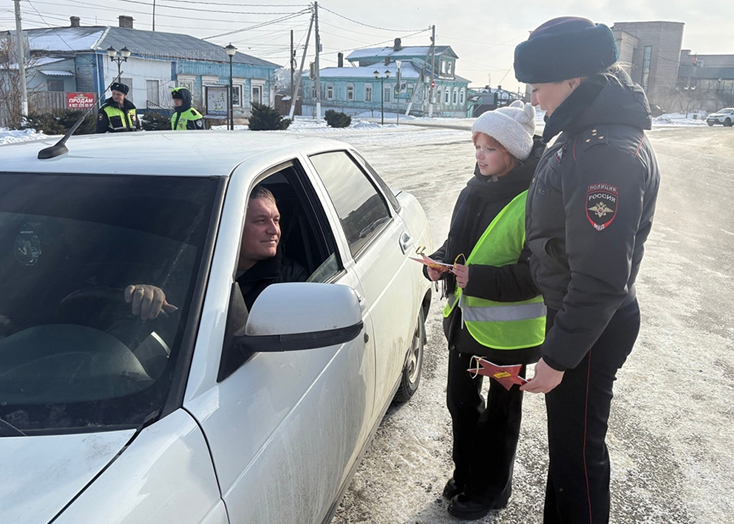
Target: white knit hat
{"x": 512, "y": 126}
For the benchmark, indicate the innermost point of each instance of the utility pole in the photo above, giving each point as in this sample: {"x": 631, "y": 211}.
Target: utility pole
{"x": 293, "y": 66}
{"x": 316, "y": 62}
{"x": 21, "y": 59}
{"x": 433, "y": 70}
{"x": 300, "y": 72}
{"x": 153, "y": 15}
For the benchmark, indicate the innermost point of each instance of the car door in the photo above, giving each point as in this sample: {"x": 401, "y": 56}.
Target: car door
{"x": 379, "y": 244}
{"x": 284, "y": 428}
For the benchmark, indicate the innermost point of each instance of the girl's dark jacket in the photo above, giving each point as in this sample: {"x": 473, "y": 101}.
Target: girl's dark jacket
{"x": 590, "y": 210}
{"x": 478, "y": 203}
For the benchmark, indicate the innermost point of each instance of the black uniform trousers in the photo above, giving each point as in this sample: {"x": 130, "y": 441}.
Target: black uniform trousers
{"x": 577, "y": 490}
{"x": 485, "y": 438}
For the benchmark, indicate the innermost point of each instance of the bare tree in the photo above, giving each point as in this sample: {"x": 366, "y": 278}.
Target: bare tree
{"x": 10, "y": 95}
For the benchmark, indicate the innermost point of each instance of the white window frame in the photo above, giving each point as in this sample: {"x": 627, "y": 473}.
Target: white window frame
{"x": 455, "y": 99}
{"x": 157, "y": 91}
{"x": 330, "y": 91}
{"x": 260, "y": 84}
{"x": 368, "y": 92}
{"x": 350, "y": 92}
{"x": 462, "y": 96}
{"x": 438, "y": 94}
{"x": 237, "y": 95}
{"x": 386, "y": 91}
{"x": 447, "y": 96}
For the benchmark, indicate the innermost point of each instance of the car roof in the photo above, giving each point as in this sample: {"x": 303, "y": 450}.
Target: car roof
{"x": 179, "y": 153}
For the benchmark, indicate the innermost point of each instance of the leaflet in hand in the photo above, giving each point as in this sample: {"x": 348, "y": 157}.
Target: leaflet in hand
{"x": 505, "y": 375}
{"x": 433, "y": 264}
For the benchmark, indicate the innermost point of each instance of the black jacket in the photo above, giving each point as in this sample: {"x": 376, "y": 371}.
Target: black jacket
{"x": 131, "y": 123}
{"x": 270, "y": 271}
{"x": 478, "y": 204}
{"x": 589, "y": 211}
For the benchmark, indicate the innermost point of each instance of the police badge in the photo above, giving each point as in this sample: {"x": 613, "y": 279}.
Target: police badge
{"x": 601, "y": 205}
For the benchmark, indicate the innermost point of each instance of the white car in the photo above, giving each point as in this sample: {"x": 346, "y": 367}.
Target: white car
{"x": 211, "y": 414}
{"x": 722, "y": 116}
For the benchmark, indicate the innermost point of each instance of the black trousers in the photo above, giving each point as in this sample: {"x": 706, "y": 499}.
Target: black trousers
{"x": 485, "y": 438}
{"x": 578, "y": 411}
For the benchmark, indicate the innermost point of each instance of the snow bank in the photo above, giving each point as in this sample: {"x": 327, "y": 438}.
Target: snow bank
{"x": 9, "y": 136}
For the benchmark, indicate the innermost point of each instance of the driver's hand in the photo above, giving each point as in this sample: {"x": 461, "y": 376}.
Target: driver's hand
{"x": 148, "y": 301}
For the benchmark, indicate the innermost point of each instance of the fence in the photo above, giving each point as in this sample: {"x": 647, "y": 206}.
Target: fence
{"x": 46, "y": 100}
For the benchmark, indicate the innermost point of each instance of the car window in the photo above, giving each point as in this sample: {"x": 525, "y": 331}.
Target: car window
{"x": 72, "y": 354}
{"x": 385, "y": 188}
{"x": 361, "y": 208}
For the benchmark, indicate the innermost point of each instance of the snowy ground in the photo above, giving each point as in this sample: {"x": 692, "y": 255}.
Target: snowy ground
{"x": 372, "y": 123}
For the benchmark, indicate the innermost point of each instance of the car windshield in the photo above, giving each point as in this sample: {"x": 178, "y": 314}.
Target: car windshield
{"x": 73, "y": 356}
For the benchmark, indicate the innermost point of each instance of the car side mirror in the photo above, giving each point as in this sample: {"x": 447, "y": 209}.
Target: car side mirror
{"x": 301, "y": 315}
{"x": 289, "y": 317}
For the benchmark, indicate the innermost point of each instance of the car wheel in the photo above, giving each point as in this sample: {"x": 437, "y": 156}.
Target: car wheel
{"x": 711, "y": 124}
{"x": 727, "y": 122}
{"x": 411, "y": 377}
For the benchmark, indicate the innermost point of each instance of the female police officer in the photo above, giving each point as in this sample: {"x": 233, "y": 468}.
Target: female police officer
{"x": 589, "y": 212}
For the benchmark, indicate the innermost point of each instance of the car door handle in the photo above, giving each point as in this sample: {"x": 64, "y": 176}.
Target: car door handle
{"x": 405, "y": 242}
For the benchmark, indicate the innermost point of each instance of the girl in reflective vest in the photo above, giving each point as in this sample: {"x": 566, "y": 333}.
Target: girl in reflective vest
{"x": 494, "y": 309}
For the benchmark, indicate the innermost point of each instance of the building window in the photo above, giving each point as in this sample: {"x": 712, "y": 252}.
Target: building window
{"x": 313, "y": 91}
{"x": 257, "y": 94}
{"x": 447, "y": 96}
{"x": 368, "y": 92}
{"x": 152, "y": 92}
{"x": 646, "y": 67}
{"x": 350, "y": 92}
{"x": 386, "y": 93}
{"x": 54, "y": 85}
{"x": 237, "y": 95}
{"x": 439, "y": 95}
{"x": 330, "y": 91}
{"x": 456, "y": 96}
{"x": 462, "y": 96}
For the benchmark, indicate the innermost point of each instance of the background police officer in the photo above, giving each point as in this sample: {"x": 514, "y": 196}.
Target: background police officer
{"x": 185, "y": 116}
{"x": 117, "y": 113}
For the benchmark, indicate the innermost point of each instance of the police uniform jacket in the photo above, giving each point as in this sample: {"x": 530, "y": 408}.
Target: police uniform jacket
{"x": 128, "y": 121}
{"x": 589, "y": 211}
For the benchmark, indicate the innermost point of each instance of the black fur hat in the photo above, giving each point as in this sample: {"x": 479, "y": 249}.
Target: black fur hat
{"x": 563, "y": 48}
{"x": 119, "y": 86}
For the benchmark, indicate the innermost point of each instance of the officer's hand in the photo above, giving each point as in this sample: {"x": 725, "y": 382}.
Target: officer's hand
{"x": 546, "y": 378}
{"x": 148, "y": 301}
{"x": 434, "y": 274}
{"x": 462, "y": 275}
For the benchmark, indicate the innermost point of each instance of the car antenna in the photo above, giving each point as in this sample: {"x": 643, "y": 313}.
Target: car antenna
{"x": 59, "y": 148}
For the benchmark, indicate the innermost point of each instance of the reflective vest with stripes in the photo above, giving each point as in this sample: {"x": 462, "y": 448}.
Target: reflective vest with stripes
{"x": 501, "y": 325}
{"x": 119, "y": 120}
{"x": 180, "y": 121}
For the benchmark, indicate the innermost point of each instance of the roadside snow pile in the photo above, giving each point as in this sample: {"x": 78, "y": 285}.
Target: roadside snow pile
{"x": 10, "y": 136}
{"x": 680, "y": 119}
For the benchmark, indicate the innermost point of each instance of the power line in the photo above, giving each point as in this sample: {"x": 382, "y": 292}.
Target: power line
{"x": 229, "y": 11}
{"x": 372, "y": 26}
{"x": 263, "y": 24}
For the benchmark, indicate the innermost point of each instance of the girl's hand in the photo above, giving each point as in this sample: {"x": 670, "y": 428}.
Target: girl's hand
{"x": 462, "y": 275}
{"x": 545, "y": 380}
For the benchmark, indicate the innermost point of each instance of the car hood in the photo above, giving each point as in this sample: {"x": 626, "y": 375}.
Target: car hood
{"x": 41, "y": 475}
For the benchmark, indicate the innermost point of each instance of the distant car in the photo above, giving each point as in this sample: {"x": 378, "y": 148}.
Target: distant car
{"x": 722, "y": 116}
{"x": 212, "y": 414}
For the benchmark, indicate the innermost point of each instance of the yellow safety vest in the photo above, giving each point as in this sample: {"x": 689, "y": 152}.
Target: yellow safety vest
{"x": 501, "y": 325}
{"x": 179, "y": 121}
{"x": 119, "y": 120}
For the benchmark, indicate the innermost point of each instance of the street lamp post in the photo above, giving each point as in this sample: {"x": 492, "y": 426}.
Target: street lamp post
{"x": 397, "y": 90}
{"x": 231, "y": 50}
{"x": 382, "y": 93}
{"x": 118, "y": 57}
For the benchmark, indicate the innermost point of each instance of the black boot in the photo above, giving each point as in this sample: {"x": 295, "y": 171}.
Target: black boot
{"x": 451, "y": 489}
{"x": 466, "y": 508}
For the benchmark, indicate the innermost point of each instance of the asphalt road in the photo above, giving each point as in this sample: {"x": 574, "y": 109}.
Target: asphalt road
{"x": 671, "y": 437}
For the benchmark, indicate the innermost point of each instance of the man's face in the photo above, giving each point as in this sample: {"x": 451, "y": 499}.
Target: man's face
{"x": 118, "y": 96}
{"x": 177, "y": 102}
{"x": 262, "y": 233}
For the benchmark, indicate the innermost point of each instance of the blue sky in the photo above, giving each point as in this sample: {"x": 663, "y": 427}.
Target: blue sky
{"x": 483, "y": 34}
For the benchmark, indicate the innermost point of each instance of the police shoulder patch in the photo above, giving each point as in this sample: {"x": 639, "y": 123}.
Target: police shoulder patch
{"x": 602, "y": 201}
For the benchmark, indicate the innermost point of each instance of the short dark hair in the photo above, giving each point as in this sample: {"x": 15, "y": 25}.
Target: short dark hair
{"x": 260, "y": 191}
